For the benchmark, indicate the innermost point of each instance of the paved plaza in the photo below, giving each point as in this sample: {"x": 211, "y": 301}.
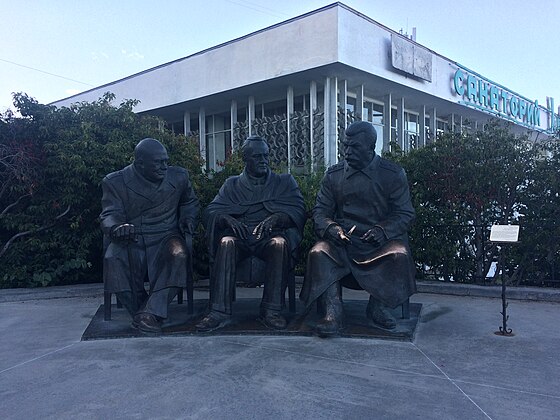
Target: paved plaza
{"x": 454, "y": 368}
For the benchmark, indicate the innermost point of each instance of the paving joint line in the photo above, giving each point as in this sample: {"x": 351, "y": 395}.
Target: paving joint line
{"x": 452, "y": 381}
{"x": 407, "y": 372}
{"x": 38, "y": 357}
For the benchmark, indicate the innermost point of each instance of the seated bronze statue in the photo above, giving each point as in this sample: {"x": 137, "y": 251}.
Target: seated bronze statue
{"x": 362, "y": 214}
{"x": 257, "y": 213}
{"x": 148, "y": 209}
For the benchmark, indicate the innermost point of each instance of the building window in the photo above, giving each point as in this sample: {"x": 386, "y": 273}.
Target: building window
{"x": 194, "y": 125}
{"x": 270, "y": 109}
{"x": 441, "y": 127}
{"x": 394, "y": 128}
{"x": 350, "y": 104}
{"x": 373, "y": 112}
{"x": 301, "y": 103}
{"x": 411, "y": 131}
{"x": 218, "y": 140}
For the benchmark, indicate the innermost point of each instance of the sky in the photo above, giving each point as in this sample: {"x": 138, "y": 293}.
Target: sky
{"x": 51, "y": 49}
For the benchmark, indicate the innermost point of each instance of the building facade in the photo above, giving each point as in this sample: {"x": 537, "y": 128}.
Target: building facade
{"x": 300, "y": 82}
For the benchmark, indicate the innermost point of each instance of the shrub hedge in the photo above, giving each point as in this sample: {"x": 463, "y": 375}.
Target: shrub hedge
{"x": 52, "y": 161}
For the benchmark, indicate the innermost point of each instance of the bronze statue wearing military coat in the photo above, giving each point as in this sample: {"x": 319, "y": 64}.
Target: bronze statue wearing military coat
{"x": 362, "y": 214}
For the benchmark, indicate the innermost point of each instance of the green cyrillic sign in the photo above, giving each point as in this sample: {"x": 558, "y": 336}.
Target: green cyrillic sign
{"x": 484, "y": 95}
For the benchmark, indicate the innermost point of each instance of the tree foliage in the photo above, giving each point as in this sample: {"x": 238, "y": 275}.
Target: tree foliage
{"x": 53, "y": 161}
{"x": 463, "y": 184}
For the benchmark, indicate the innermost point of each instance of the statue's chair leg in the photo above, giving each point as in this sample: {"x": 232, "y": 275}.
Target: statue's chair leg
{"x": 107, "y": 306}
{"x": 292, "y": 292}
{"x": 107, "y": 298}
{"x": 405, "y": 307}
{"x": 190, "y": 298}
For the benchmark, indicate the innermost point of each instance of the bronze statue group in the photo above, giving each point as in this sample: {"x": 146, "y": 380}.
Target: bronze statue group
{"x": 361, "y": 217}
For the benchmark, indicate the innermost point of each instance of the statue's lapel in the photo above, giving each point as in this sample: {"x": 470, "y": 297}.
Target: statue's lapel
{"x": 251, "y": 194}
{"x": 164, "y": 191}
{"x": 144, "y": 191}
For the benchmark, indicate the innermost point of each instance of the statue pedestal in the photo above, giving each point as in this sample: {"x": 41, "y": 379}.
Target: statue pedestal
{"x": 245, "y": 322}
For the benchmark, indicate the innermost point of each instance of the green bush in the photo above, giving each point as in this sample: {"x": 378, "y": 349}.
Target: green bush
{"x": 52, "y": 161}
{"x": 309, "y": 185}
{"x": 63, "y": 154}
{"x": 463, "y": 184}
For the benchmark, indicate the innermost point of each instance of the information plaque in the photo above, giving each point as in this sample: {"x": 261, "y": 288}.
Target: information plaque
{"x": 504, "y": 233}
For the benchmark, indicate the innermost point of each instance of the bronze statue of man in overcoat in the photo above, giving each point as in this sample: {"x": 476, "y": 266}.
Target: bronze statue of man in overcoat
{"x": 257, "y": 213}
{"x": 362, "y": 213}
{"x": 149, "y": 209}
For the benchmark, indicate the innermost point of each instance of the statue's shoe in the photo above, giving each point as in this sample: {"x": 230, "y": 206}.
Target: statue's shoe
{"x": 146, "y": 323}
{"x": 381, "y": 316}
{"x": 329, "y": 326}
{"x": 273, "y": 320}
{"x": 213, "y": 321}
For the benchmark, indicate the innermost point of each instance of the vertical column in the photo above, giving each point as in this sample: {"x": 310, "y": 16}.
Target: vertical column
{"x": 202, "y": 133}
{"x": 290, "y": 111}
{"x": 422, "y": 141}
{"x": 452, "y": 122}
{"x": 186, "y": 123}
{"x": 343, "y": 100}
{"x": 331, "y": 121}
{"x": 403, "y": 143}
{"x": 233, "y": 120}
{"x": 433, "y": 124}
{"x": 359, "y": 102}
{"x": 326, "y": 120}
{"x": 312, "y": 108}
{"x": 387, "y": 117}
{"x": 212, "y": 145}
{"x": 251, "y": 112}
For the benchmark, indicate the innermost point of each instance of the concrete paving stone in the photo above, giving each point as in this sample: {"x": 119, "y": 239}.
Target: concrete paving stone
{"x": 505, "y": 403}
{"x": 33, "y": 328}
{"x": 456, "y": 368}
{"x": 213, "y": 378}
{"x": 459, "y": 337}
{"x": 395, "y": 356}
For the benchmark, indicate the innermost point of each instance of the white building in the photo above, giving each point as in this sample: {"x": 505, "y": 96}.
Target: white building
{"x": 323, "y": 69}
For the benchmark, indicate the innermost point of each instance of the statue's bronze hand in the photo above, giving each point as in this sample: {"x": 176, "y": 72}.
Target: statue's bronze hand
{"x": 186, "y": 228}
{"x": 336, "y": 234}
{"x": 264, "y": 228}
{"x": 239, "y": 229}
{"x": 124, "y": 232}
{"x": 375, "y": 236}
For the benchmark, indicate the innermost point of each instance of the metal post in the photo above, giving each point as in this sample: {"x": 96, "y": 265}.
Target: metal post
{"x": 504, "y": 330}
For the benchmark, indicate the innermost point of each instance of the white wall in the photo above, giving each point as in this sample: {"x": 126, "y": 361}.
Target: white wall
{"x": 330, "y": 35}
{"x": 297, "y": 45}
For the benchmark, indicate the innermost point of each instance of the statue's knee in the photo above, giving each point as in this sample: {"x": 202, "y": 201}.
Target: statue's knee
{"x": 227, "y": 242}
{"x": 177, "y": 249}
{"x": 318, "y": 249}
{"x": 279, "y": 242}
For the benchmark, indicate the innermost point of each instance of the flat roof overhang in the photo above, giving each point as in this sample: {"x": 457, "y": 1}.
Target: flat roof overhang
{"x": 375, "y": 87}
